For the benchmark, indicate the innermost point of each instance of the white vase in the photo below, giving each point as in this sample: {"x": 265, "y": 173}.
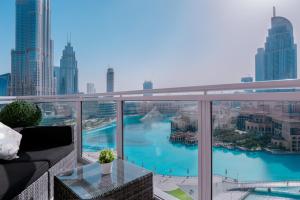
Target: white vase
{"x": 106, "y": 168}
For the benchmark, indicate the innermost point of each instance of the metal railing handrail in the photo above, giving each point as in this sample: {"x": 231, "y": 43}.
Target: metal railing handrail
{"x": 205, "y": 89}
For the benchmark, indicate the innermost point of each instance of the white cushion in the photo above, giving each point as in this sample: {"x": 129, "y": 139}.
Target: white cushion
{"x": 9, "y": 142}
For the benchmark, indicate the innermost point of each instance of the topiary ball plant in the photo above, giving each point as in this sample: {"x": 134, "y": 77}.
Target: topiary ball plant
{"x": 20, "y": 114}
{"x": 106, "y": 156}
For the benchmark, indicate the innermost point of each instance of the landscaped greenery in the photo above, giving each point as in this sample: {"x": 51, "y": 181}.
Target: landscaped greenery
{"x": 20, "y": 114}
{"x": 249, "y": 140}
{"x": 106, "y": 156}
{"x": 179, "y": 194}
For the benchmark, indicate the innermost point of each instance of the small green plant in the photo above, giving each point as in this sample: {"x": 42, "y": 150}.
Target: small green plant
{"x": 20, "y": 114}
{"x": 106, "y": 156}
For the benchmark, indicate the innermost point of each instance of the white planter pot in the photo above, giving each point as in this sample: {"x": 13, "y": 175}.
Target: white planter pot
{"x": 106, "y": 168}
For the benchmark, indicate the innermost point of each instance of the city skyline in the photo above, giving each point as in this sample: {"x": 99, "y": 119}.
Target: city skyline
{"x": 161, "y": 61}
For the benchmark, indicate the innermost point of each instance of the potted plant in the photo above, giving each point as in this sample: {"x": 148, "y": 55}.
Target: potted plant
{"x": 19, "y": 114}
{"x": 106, "y": 157}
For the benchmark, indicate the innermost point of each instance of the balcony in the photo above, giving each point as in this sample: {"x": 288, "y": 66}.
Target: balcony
{"x": 232, "y": 141}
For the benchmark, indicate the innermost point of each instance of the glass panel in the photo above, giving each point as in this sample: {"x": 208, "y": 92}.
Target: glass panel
{"x": 98, "y": 128}
{"x": 55, "y": 113}
{"x": 256, "y": 147}
{"x": 58, "y": 113}
{"x": 162, "y": 137}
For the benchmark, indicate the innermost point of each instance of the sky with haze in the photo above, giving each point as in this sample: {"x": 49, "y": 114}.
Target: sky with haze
{"x": 171, "y": 42}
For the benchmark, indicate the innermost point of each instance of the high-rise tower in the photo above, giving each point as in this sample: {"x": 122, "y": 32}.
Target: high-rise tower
{"x": 32, "y": 58}
{"x": 68, "y": 71}
{"x": 90, "y": 88}
{"x": 147, "y": 85}
{"x": 278, "y": 60}
{"x": 110, "y": 80}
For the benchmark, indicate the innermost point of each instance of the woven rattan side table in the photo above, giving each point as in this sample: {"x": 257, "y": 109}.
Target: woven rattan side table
{"x": 127, "y": 182}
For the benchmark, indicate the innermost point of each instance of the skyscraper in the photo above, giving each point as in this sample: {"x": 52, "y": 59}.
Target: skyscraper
{"x": 56, "y": 79}
{"x": 108, "y": 109}
{"x": 260, "y": 65}
{"x": 90, "y": 88}
{"x": 5, "y": 84}
{"x": 68, "y": 71}
{"x": 32, "y": 58}
{"x": 110, "y": 80}
{"x": 278, "y": 59}
{"x": 147, "y": 85}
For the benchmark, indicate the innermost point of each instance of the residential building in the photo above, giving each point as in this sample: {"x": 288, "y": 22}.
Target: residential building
{"x": 32, "y": 58}
{"x": 278, "y": 59}
{"x": 68, "y": 71}
{"x": 5, "y": 84}
{"x": 90, "y": 88}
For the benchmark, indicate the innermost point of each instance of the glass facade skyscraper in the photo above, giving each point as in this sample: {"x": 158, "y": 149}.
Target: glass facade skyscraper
{"x": 278, "y": 59}
{"x": 68, "y": 71}
{"x": 110, "y": 80}
{"x": 5, "y": 84}
{"x": 32, "y": 58}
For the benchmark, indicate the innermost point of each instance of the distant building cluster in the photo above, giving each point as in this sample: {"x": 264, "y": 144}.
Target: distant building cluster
{"x": 281, "y": 121}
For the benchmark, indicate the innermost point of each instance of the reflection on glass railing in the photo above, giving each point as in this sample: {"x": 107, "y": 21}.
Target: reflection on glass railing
{"x": 256, "y": 149}
{"x": 98, "y": 128}
{"x": 161, "y": 136}
{"x": 58, "y": 113}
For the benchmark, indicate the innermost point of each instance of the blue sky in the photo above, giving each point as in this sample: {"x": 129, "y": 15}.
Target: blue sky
{"x": 171, "y": 42}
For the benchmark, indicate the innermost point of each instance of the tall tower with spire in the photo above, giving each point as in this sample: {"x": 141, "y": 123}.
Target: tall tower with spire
{"x": 68, "y": 74}
{"x": 32, "y": 58}
{"x": 278, "y": 59}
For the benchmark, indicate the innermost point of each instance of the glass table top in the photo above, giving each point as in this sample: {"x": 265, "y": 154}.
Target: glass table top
{"x": 88, "y": 182}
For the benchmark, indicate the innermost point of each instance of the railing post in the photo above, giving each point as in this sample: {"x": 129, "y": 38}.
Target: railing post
{"x": 79, "y": 130}
{"x": 120, "y": 134}
{"x": 205, "y": 151}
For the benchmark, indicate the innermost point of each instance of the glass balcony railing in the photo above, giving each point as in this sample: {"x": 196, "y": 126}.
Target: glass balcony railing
{"x": 162, "y": 136}
{"x": 200, "y": 142}
{"x": 255, "y": 147}
{"x": 98, "y": 127}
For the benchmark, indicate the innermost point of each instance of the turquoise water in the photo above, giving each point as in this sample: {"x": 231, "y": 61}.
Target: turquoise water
{"x": 148, "y": 145}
